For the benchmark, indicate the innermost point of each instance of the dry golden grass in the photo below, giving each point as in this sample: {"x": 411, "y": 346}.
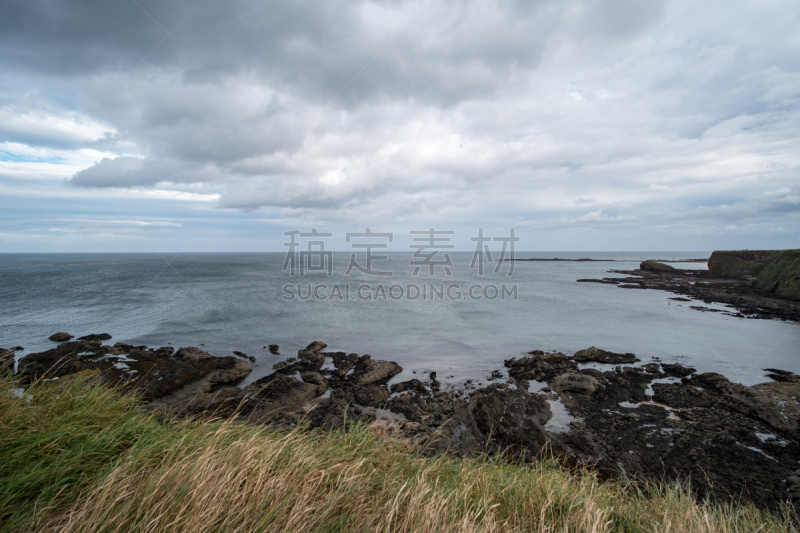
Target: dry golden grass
{"x": 229, "y": 476}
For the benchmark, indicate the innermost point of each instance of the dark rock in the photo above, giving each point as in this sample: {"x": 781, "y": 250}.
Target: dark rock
{"x": 507, "y": 419}
{"x": 696, "y": 429}
{"x": 61, "y": 336}
{"x": 310, "y": 357}
{"x": 677, "y": 370}
{"x": 277, "y": 397}
{"x": 496, "y": 374}
{"x": 601, "y": 356}
{"x": 782, "y": 375}
{"x": 653, "y": 266}
{"x": 412, "y": 385}
{"x": 17, "y": 349}
{"x": 245, "y": 356}
{"x": 540, "y": 366}
{"x": 371, "y": 395}
{"x": 368, "y": 370}
{"x": 343, "y": 362}
{"x": 577, "y": 383}
{"x": 95, "y": 337}
{"x": 152, "y": 375}
{"x": 273, "y": 349}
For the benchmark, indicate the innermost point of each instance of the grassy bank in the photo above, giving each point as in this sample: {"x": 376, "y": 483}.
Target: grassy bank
{"x": 78, "y": 457}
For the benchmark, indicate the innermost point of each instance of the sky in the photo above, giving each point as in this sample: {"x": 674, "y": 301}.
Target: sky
{"x": 583, "y": 125}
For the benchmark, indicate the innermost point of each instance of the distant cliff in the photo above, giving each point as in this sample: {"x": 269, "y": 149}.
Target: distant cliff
{"x": 773, "y": 271}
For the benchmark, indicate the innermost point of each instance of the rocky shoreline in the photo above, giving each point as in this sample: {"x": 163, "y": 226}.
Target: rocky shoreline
{"x": 594, "y": 408}
{"x": 741, "y": 293}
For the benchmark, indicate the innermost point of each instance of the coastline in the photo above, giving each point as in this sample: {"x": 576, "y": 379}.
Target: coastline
{"x": 657, "y": 422}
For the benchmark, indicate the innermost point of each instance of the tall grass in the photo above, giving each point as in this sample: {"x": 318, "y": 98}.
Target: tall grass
{"x": 80, "y": 457}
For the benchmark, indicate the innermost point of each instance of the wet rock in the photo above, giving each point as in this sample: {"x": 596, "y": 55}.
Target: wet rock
{"x": 95, "y": 337}
{"x": 310, "y": 357}
{"x": 503, "y": 418}
{"x": 782, "y": 375}
{"x": 577, "y": 383}
{"x": 495, "y": 374}
{"x": 540, "y": 366}
{"x": 316, "y": 379}
{"x": 271, "y": 400}
{"x": 245, "y": 356}
{"x": 368, "y": 370}
{"x": 61, "y": 336}
{"x": 653, "y": 368}
{"x": 412, "y": 385}
{"x": 749, "y": 299}
{"x": 149, "y": 373}
{"x": 17, "y": 348}
{"x": 602, "y": 356}
{"x": 274, "y": 349}
{"x": 164, "y": 351}
{"x": 653, "y": 266}
{"x": 371, "y": 395}
{"x": 677, "y": 370}
{"x": 696, "y": 428}
{"x": 343, "y": 362}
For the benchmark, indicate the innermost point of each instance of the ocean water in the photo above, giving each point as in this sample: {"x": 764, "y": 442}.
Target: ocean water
{"x": 226, "y": 302}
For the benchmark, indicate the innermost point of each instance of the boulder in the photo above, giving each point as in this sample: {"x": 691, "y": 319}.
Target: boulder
{"x": 272, "y": 400}
{"x": 653, "y": 266}
{"x": 540, "y": 366}
{"x": 412, "y": 385}
{"x": 677, "y": 370}
{"x": 368, "y": 370}
{"x": 506, "y": 418}
{"x": 95, "y": 337}
{"x": 61, "y": 336}
{"x": 602, "y": 356}
{"x": 371, "y": 395}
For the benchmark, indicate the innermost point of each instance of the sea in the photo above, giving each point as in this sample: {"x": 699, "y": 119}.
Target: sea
{"x": 461, "y": 316}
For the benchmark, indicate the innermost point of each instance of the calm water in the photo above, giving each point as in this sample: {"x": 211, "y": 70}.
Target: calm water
{"x": 236, "y": 302}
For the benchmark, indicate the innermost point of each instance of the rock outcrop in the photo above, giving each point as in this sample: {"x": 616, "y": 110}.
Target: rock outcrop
{"x": 770, "y": 271}
{"x": 657, "y": 421}
{"x": 601, "y": 356}
{"x": 656, "y": 267}
{"x": 61, "y": 336}
{"x": 154, "y": 374}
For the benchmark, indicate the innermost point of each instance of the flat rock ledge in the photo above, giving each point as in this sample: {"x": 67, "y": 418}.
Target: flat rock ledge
{"x": 655, "y": 421}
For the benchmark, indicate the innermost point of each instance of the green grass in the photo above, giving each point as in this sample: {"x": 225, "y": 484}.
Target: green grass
{"x": 76, "y": 456}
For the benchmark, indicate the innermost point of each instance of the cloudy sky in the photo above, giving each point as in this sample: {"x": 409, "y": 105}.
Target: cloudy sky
{"x": 605, "y": 125}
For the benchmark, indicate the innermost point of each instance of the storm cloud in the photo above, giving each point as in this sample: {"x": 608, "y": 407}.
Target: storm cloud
{"x": 565, "y": 119}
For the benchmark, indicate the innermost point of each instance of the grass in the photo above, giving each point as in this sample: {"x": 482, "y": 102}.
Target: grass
{"x": 76, "y": 456}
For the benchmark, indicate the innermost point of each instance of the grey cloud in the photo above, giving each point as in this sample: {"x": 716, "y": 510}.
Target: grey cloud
{"x": 561, "y": 114}
{"x": 111, "y": 173}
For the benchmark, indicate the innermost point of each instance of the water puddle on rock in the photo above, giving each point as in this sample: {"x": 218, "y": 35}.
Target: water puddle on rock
{"x": 559, "y": 423}
{"x": 649, "y": 391}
